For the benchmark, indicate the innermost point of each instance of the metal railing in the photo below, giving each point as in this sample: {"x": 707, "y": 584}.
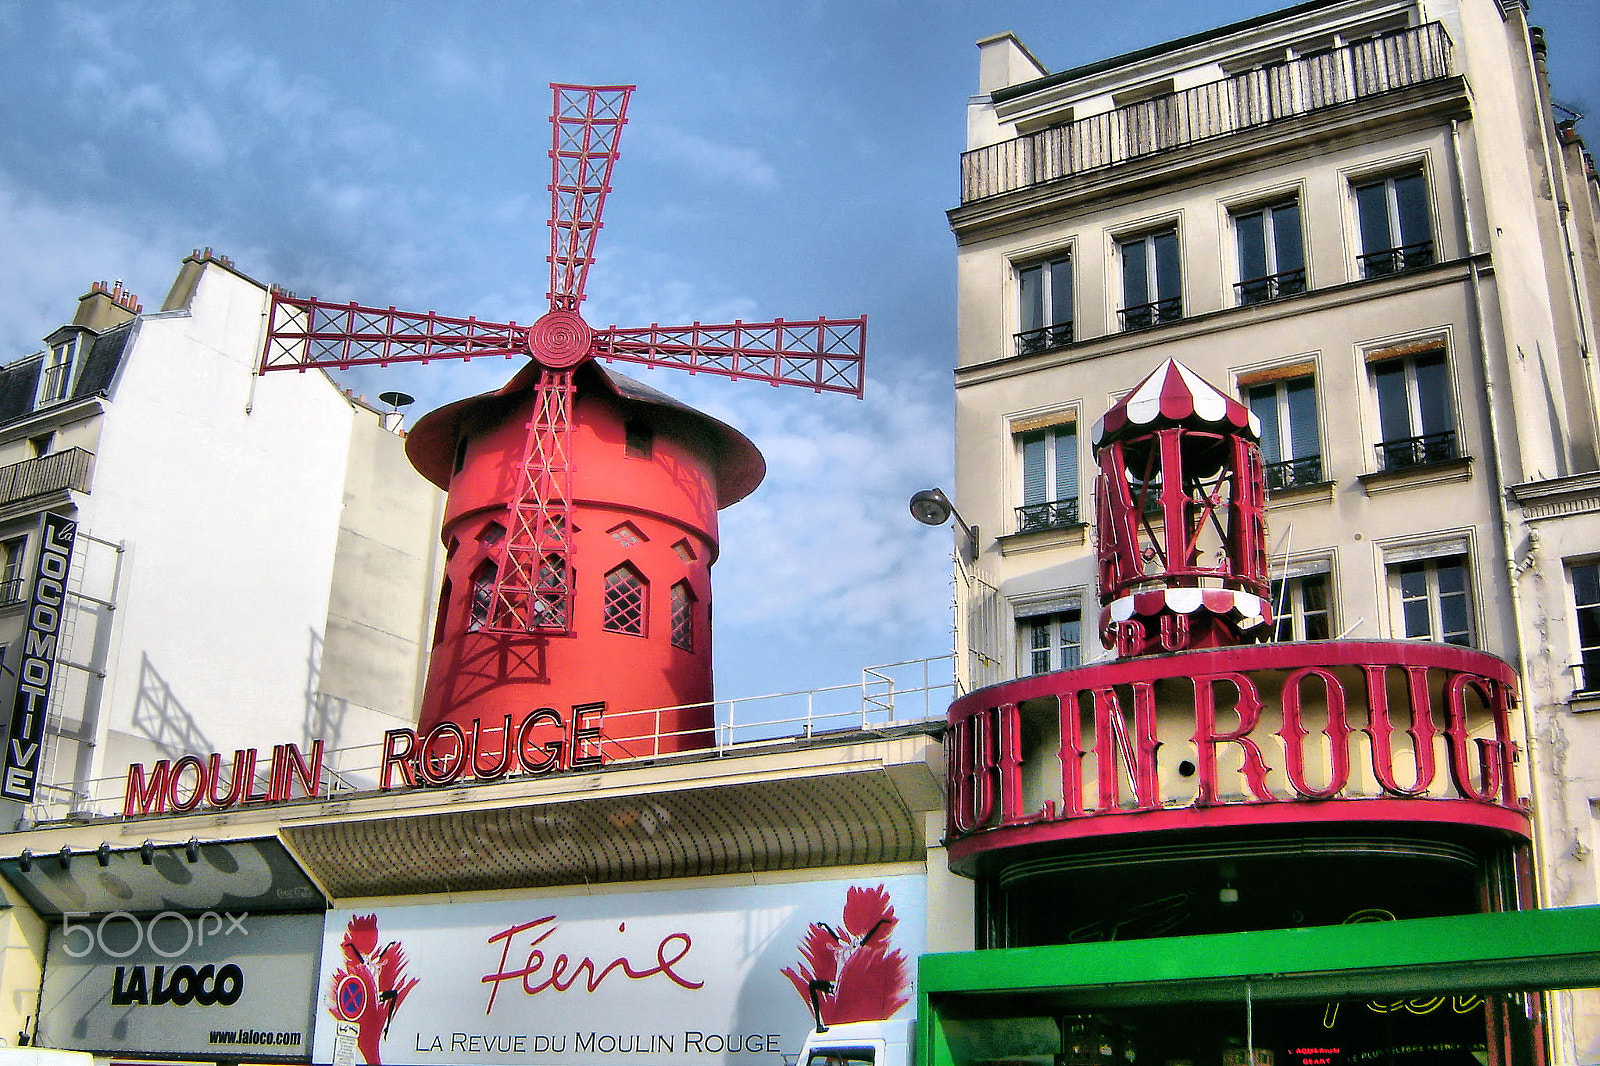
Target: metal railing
{"x": 1033, "y": 341}
{"x": 1057, "y": 514}
{"x": 1242, "y": 101}
{"x": 1154, "y": 313}
{"x": 1291, "y": 473}
{"x": 70, "y": 468}
{"x": 1270, "y": 287}
{"x": 893, "y": 694}
{"x": 1396, "y": 260}
{"x": 1418, "y": 451}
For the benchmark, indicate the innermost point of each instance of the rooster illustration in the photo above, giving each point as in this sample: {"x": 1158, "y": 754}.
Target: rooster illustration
{"x": 852, "y": 974}
{"x": 381, "y": 974}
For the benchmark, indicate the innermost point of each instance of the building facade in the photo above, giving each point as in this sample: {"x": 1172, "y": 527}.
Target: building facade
{"x": 1366, "y": 223}
{"x": 253, "y": 559}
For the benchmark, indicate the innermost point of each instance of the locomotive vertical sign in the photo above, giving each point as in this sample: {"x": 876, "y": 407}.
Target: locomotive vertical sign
{"x": 31, "y": 707}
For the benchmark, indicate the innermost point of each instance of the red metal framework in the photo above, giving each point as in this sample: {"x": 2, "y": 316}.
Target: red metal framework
{"x": 533, "y": 586}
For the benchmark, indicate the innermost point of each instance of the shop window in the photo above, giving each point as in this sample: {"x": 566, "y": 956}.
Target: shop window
{"x": 1416, "y": 423}
{"x": 626, "y": 597}
{"x": 1291, "y": 448}
{"x": 1301, "y": 607}
{"x": 1151, "y": 280}
{"x": 682, "y": 616}
{"x": 1434, "y": 599}
{"x": 12, "y": 553}
{"x": 1396, "y": 225}
{"x": 1049, "y": 456}
{"x": 1586, "y": 600}
{"x": 1045, "y": 295}
{"x": 1272, "y": 262}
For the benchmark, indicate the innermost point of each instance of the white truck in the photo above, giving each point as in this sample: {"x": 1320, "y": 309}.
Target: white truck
{"x": 859, "y": 1044}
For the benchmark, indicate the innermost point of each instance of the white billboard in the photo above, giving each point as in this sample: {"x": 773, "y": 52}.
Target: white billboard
{"x": 215, "y": 984}
{"x": 681, "y": 978}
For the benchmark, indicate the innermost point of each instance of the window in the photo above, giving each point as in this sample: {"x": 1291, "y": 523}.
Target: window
{"x": 1045, "y": 291}
{"x": 40, "y": 445}
{"x": 627, "y": 534}
{"x": 12, "y": 553}
{"x": 682, "y": 616}
{"x": 1151, "y": 289}
{"x": 443, "y": 613}
{"x": 638, "y": 438}
{"x": 55, "y": 377}
{"x": 1395, "y": 223}
{"x": 1291, "y": 451}
{"x": 1434, "y": 599}
{"x": 556, "y": 584}
{"x": 1415, "y": 421}
{"x": 482, "y": 602}
{"x": 1586, "y": 596}
{"x": 625, "y": 600}
{"x": 1049, "y": 476}
{"x": 1272, "y": 262}
{"x": 1300, "y": 605}
{"x": 1050, "y": 641}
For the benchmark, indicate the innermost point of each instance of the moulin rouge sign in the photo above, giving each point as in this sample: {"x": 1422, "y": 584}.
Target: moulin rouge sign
{"x": 544, "y": 742}
{"x": 1266, "y": 726}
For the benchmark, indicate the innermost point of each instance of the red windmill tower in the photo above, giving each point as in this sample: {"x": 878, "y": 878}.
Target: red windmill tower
{"x": 565, "y": 456}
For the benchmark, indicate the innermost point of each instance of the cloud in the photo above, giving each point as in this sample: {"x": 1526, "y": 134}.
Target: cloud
{"x": 711, "y": 162}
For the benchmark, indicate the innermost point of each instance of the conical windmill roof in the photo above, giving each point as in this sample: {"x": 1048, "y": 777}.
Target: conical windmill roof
{"x": 1174, "y": 395}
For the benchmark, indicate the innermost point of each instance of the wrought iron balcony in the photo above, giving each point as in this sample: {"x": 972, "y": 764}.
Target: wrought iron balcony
{"x": 71, "y": 468}
{"x": 1154, "y": 313}
{"x": 1033, "y": 341}
{"x": 1418, "y": 451}
{"x": 1057, "y": 514}
{"x": 1244, "y": 101}
{"x": 1271, "y": 287}
{"x": 1292, "y": 473}
{"x": 1396, "y": 260}
{"x": 10, "y": 589}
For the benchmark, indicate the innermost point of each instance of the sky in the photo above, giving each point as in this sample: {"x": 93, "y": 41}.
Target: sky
{"x": 782, "y": 159}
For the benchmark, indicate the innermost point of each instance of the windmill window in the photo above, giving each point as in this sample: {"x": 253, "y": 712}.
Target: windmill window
{"x": 461, "y": 454}
{"x": 685, "y": 551}
{"x": 491, "y": 533}
{"x": 682, "y": 616}
{"x": 627, "y": 534}
{"x": 626, "y": 596}
{"x": 556, "y": 582}
{"x": 478, "y": 609}
{"x": 443, "y": 613}
{"x": 638, "y": 438}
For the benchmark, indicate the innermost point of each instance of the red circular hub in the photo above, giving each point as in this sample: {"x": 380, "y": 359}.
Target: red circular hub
{"x": 560, "y": 339}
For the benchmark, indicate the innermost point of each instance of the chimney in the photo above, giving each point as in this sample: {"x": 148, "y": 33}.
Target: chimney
{"x": 106, "y": 306}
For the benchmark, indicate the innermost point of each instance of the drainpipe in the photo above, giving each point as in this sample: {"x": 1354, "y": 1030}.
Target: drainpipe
{"x": 1507, "y": 543}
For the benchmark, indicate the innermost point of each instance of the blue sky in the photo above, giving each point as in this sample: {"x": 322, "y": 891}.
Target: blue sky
{"x": 781, "y": 160}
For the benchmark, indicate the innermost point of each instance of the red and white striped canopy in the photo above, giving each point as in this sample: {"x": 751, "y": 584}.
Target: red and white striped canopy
{"x": 1175, "y": 395}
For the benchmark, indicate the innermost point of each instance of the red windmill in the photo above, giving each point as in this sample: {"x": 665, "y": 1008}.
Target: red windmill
{"x": 532, "y": 593}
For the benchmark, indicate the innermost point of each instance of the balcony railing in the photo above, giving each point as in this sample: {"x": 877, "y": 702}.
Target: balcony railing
{"x": 1396, "y": 260}
{"x": 1154, "y": 313}
{"x": 1243, "y": 101}
{"x": 1292, "y": 473}
{"x": 1272, "y": 287}
{"x": 1033, "y": 341}
{"x": 1037, "y": 517}
{"x": 71, "y": 468}
{"x": 1418, "y": 451}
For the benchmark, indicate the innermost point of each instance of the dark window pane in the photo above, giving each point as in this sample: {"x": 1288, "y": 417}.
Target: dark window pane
{"x": 1433, "y": 394}
{"x": 1067, "y": 463}
{"x": 1372, "y": 208}
{"x": 1252, "y": 246}
{"x": 1168, "y": 281}
{"x": 1135, "y": 287}
{"x": 1032, "y": 295}
{"x": 1411, "y": 199}
{"x": 1286, "y": 240}
{"x": 1263, "y": 401}
{"x": 1301, "y": 400}
{"x": 1586, "y": 583}
{"x": 1060, "y": 292}
{"x": 1394, "y": 414}
{"x": 1034, "y": 472}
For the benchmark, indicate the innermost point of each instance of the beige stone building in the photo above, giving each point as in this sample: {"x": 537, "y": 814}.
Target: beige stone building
{"x": 1365, "y": 219}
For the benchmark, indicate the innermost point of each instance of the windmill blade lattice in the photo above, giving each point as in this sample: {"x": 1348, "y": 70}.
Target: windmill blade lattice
{"x": 533, "y": 588}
